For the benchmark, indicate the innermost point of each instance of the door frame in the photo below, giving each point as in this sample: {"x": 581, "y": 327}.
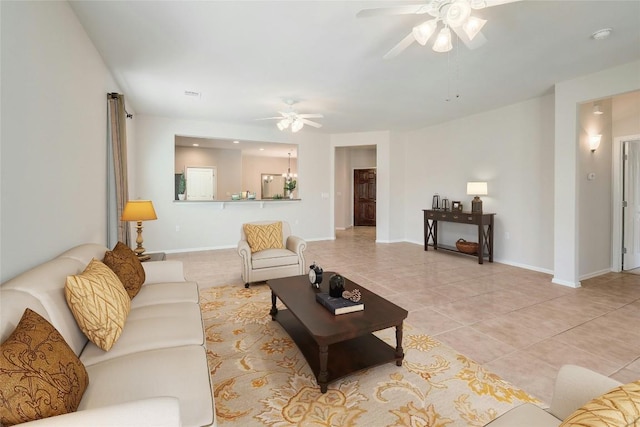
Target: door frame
{"x": 617, "y": 179}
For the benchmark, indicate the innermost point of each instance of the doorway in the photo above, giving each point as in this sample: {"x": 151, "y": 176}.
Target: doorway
{"x": 630, "y": 205}
{"x": 626, "y": 198}
{"x": 364, "y": 197}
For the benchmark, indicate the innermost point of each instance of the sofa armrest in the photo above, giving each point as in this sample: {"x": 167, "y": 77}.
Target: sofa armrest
{"x": 244, "y": 250}
{"x": 163, "y": 271}
{"x": 156, "y": 411}
{"x": 575, "y": 386}
{"x": 296, "y": 244}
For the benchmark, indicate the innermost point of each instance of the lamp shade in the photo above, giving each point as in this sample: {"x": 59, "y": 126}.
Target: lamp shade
{"x": 594, "y": 142}
{"x": 138, "y": 210}
{"x": 476, "y": 188}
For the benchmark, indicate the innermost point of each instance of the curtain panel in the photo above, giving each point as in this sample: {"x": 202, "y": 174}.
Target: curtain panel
{"x": 117, "y": 149}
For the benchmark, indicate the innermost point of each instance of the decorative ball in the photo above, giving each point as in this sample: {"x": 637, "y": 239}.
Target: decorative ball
{"x": 354, "y": 295}
{"x": 336, "y": 286}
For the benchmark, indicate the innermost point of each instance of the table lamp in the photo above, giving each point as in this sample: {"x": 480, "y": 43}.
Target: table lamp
{"x": 139, "y": 210}
{"x": 476, "y": 189}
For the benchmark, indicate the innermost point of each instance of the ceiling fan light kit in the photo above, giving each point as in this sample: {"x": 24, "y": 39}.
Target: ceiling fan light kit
{"x": 293, "y": 120}
{"x": 453, "y": 14}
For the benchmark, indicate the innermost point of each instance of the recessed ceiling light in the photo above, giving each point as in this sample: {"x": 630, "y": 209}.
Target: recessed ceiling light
{"x": 601, "y": 34}
{"x": 196, "y": 145}
{"x": 262, "y": 149}
{"x": 236, "y": 142}
{"x": 192, "y": 94}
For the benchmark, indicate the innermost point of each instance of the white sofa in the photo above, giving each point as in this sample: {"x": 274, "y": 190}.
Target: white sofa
{"x": 574, "y": 387}
{"x": 155, "y": 374}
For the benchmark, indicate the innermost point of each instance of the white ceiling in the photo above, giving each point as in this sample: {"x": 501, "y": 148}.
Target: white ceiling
{"x": 247, "y": 57}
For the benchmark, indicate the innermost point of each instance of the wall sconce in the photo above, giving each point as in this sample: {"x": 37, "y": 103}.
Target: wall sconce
{"x": 594, "y": 142}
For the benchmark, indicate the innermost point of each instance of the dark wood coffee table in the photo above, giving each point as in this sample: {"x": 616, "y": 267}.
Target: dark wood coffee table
{"x": 336, "y": 345}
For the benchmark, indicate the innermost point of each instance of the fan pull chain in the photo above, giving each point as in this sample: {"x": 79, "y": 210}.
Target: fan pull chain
{"x": 455, "y": 73}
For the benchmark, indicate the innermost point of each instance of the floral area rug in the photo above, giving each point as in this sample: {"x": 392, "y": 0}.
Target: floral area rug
{"x": 260, "y": 378}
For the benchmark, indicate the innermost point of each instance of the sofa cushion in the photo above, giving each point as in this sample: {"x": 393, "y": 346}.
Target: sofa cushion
{"x": 152, "y": 327}
{"x": 163, "y": 293}
{"x": 528, "y": 415}
{"x": 264, "y": 236}
{"x": 274, "y": 258}
{"x": 40, "y": 375}
{"x": 178, "y": 371}
{"x": 125, "y": 263}
{"x": 99, "y": 303}
{"x": 619, "y": 407}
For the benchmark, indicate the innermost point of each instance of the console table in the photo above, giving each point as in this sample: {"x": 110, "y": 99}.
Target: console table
{"x": 484, "y": 222}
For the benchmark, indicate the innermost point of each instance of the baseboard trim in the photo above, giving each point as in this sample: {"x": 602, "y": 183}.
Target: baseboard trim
{"x": 596, "y": 274}
{"x": 566, "y": 283}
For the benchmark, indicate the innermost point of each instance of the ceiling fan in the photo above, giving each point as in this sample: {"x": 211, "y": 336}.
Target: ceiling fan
{"x": 452, "y": 14}
{"x": 293, "y": 119}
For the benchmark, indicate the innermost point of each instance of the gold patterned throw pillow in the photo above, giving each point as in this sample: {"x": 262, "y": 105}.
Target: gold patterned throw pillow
{"x": 99, "y": 303}
{"x": 40, "y": 375}
{"x": 618, "y": 408}
{"x": 124, "y": 262}
{"x": 261, "y": 237}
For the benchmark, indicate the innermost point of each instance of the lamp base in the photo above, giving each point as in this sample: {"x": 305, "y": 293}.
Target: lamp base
{"x": 476, "y": 205}
{"x": 144, "y": 257}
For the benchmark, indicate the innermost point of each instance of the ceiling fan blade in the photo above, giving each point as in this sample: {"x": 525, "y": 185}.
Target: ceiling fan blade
{"x": 397, "y": 49}
{"x": 311, "y": 116}
{"x": 477, "y": 41}
{"x": 491, "y": 3}
{"x": 310, "y": 123}
{"x": 269, "y": 118}
{"x": 399, "y": 10}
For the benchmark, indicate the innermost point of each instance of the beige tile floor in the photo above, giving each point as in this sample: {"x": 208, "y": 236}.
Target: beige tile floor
{"x": 514, "y": 321}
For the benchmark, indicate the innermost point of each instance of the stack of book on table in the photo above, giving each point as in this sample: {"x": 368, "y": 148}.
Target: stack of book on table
{"x": 338, "y": 305}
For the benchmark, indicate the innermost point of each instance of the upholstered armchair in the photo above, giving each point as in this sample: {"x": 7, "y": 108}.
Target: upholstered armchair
{"x": 269, "y": 251}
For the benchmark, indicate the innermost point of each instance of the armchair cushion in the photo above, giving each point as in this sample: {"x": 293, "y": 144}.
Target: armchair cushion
{"x": 261, "y": 237}
{"x": 40, "y": 375}
{"x": 274, "y": 258}
{"x": 619, "y": 407}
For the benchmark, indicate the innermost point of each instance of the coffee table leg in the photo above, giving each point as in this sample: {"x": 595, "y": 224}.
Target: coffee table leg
{"x": 274, "y": 310}
{"x": 399, "y": 351}
{"x": 323, "y": 375}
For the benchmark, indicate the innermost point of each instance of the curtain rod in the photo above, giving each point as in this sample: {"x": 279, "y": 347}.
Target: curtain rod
{"x": 114, "y": 95}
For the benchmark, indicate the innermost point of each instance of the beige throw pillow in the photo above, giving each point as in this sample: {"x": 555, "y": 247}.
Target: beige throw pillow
{"x": 99, "y": 303}
{"x": 125, "y": 263}
{"x": 261, "y": 237}
{"x": 40, "y": 375}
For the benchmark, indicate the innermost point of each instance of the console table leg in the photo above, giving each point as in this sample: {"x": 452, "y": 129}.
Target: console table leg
{"x": 274, "y": 310}
{"x": 399, "y": 350}
{"x": 323, "y": 375}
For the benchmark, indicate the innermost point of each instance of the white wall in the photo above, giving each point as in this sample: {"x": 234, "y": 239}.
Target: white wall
{"x": 594, "y": 195}
{"x": 209, "y": 225}
{"x": 510, "y": 148}
{"x": 567, "y": 215}
{"x": 53, "y": 169}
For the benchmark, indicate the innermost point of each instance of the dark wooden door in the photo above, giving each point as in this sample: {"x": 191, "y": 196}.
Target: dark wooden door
{"x": 364, "y": 195}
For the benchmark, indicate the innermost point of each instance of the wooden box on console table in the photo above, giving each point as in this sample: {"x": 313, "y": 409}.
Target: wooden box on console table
{"x": 484, "y": 222}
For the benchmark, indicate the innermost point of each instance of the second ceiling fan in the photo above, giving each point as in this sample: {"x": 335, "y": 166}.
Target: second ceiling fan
{"x": 294, "y": 120}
